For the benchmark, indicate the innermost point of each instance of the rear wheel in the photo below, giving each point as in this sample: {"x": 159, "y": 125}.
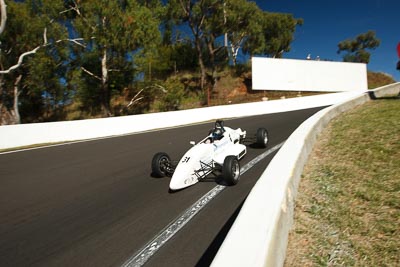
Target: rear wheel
{"x": 231, "y": 170}
{"x": 262, "y": 137}
{"x": 160, "y": 164}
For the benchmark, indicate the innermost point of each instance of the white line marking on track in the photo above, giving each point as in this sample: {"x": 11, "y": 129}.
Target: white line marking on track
{"x": 143, "y": 255}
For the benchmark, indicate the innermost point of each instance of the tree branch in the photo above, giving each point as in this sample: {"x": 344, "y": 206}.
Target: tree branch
{"x": 78, "y": 12}
{"x": 20, "y": 60}
{"x": 74, "y": 8}
{"x": 22, "y": 56}
{"x": 75, "y": 41}
{"x": 134, "y": 99}
{"x": 91, "y": 74}
{"x": 45, "y": 36}
{"x": 157, "y": 86}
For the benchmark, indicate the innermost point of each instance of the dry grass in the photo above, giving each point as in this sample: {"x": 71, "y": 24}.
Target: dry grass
{"x": 348, "y": 207}
{"x": 378, "y": 79}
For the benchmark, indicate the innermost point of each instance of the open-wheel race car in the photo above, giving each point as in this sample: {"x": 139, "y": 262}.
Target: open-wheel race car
{"x": 218, "y": 153}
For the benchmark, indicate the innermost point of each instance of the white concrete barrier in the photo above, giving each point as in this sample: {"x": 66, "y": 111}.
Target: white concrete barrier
{"x": 13, "y": 136}
{"x": 259, "y": 234}
{"x": 385, "y": 91}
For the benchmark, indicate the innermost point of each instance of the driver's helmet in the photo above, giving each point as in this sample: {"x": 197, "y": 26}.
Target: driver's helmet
{"x": 217, "y": 134}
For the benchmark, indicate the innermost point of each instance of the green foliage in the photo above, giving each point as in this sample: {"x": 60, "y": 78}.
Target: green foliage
{"x": 27, "y": 26}
{"x": 272, "y": 34}
{"x": 167, "y": 60}
{"x": 240, "y": 23}
{"x": 171, "y": 100}
{"x": 198, "y": 15}
{"x": 43, "y": 80}
{"x": 87, "y": 86}
{"x": 114, "y": 30}
{"x": 93, "y": 57}
{"x": 278, "y": 32}
{"x": 356, "y": 48}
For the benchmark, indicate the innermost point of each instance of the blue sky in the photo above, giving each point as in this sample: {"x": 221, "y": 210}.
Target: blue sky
{"x": 328, "y": 22}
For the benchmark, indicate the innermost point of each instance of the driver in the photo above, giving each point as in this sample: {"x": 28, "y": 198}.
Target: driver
{"x": 217, "y": 134}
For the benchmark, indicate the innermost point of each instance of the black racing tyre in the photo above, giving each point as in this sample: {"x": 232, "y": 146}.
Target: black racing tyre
{"x": 231, "y": 170}
{"x": 262, "y": 137}
{"x": 160, "y": 164}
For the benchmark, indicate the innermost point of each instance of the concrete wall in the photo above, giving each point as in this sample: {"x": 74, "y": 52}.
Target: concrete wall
{"x": 308, "y": 75}
{"x": 259, "y": 234}
{"x": 12, "y": 136}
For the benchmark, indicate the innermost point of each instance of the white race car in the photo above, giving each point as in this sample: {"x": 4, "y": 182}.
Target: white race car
{"x": 219, "y": 152}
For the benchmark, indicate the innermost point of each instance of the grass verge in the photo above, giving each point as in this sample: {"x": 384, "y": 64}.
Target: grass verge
{"x": 348, "y": 205}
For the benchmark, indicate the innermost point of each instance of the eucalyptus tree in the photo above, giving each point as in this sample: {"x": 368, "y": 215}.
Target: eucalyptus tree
{"x": 271, "y": 34}
{"x": 29, "y": 46}
{"x": 279, "y": 31}
{"x": 356, "y": 48}
{"x": 194, "y": 15}
{"x": 240, "y": 23}
{"x": 113, "y": 32}
{"x": 213, "y": 30}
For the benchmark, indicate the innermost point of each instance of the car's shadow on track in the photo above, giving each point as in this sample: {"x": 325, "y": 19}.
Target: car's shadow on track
{"x": 155, "y": 176}
{"x": 253, "y": 145}
{"x": 175, "y": 191}
{"x": 217, "y": 180}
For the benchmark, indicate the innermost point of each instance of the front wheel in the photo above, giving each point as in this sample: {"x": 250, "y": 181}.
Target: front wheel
{"x": 231, "y": 170}
{"x": 160, "y": 164}
{"x": 262, "y": 137}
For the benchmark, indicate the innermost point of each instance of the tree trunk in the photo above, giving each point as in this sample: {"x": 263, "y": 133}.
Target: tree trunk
{"x": 3, "y": 13}
{"x": 201, "y": 63}
{"x": 211, "y": 51}
{"x": 234, "y": 55}
{"x": 10, "y": 116}
{"x": 105, "y": 92}
{"x": 2, "y": 107}
{"x": 15, "y": 112}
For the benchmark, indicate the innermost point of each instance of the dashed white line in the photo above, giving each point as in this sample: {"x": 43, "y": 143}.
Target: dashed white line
{"x": 143, "y": 255}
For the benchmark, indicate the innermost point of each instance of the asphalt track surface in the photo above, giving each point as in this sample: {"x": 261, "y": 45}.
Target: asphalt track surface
{"x": 95, "y": 203}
